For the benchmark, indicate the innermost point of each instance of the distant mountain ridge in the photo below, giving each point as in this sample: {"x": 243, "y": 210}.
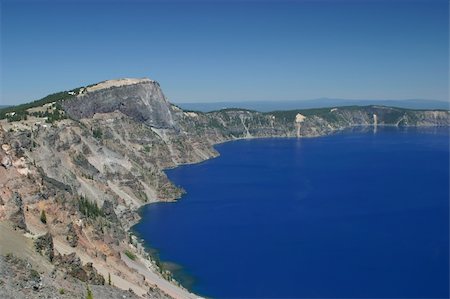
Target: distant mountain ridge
{"x": 266, "y": 106}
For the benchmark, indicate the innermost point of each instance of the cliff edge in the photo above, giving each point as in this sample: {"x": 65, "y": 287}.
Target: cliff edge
{"x": 140, "y": 99}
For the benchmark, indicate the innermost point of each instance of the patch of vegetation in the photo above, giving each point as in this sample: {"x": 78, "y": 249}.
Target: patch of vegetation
{"x": 35, "y": 274}
{"x": 89, "y": 293}
{"x": 391, "y": 116}
{"x": 130, "y": 255}
{"x": 62, "y": 291}
{"x": 141, "y": 195}
{"x": 97, "y": 133}
{"x": 16, "y": 116}
{"x": 43, "y": 217}
{"x": 88, "y": 208}
{"x": 214, "y": 123}
{"x": 87, "y": 176}
{"x": 55, "y": 183}
{"x": 80, "y": 160}
{"x": 20, "y": 110}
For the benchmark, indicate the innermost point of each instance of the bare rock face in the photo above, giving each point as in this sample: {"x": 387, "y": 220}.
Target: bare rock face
{"x": 19, "y": 271}
{"x": 108, "y": 211}
{"x": 14, "y": 208}
{"x": 140, "y": 99}
{"x": 44, "y": 245}
{"x": 21, "y": 279}
{"x": 72, "y": 265}
{"x": 6, "y": 161}
{"x": 92, "y": 276}
{"x": 72, "y": 236}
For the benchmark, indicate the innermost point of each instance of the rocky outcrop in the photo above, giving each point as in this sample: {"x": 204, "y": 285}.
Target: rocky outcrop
{"x": 72, "y": 236}
{"x": 5, "y": 161}
{"x": 44, "y": 245}
{"x": 73, "y": 266}
{"x": 14, "y": 208}
{"x": 108, "y": 211}
{"x": 142, "y": 100}
{"x": 23, "y": 274}
{"x": 20, "y": 279}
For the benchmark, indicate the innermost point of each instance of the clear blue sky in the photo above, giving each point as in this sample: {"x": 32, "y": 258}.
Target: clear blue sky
{"x": 229, "y": 51}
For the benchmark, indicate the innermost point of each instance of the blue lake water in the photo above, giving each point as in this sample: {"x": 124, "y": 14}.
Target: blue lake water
{"x": 354, "y": 214}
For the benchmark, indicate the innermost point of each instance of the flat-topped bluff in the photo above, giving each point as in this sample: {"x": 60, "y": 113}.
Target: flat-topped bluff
{"x": 118, "y": 83}
{"x": 91, "y": 156}
{"x": 141, "y": 99}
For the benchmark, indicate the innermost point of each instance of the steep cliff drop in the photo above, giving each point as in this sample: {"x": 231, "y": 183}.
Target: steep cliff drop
{"x": 140, "y": 99}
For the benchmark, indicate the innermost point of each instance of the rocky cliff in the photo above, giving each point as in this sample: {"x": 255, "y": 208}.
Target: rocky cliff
{"x": 91, "y": 159}
{"x": 140, "y": 99}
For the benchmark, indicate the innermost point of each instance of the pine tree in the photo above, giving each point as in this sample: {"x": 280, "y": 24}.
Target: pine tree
{"x": 43, "y": 217}
{"x": 89, "y": 293}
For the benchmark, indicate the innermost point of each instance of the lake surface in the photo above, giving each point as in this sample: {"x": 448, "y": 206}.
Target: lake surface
{"x": 354, "y": 214}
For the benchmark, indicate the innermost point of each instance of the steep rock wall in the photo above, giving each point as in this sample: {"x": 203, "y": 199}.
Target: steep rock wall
{"x": 142, "y": 101}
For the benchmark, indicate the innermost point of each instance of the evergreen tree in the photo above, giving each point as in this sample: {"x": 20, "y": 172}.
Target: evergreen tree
{"x": 43, "y": 217}
{"x": 89, "y": 293}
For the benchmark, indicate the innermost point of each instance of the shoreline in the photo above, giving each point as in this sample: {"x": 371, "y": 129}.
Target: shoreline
{"x": 146, "y": 264}
{"x": 145, "y": 250}
{"x": 152, "y": 255}
{"x": 156, "y": 262}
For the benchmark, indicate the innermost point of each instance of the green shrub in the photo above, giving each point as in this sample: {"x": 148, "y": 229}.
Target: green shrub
{"x": 97, "y": 133}
{"x": 35, "y": 274}
{"x": 43, "y": 217}
{"x": 21, "y": 109}
{"x": 88, "y": 208}
{"x": 130, "y": 255}
{"x": 89, "y": 293}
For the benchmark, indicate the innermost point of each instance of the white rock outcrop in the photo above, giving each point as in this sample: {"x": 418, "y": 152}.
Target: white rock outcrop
{"x": 117, "y": 83}
{"x": 299, "y": 118}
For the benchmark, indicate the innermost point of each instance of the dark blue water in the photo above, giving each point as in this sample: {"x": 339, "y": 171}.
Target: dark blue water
{"x": 355, "y": 214}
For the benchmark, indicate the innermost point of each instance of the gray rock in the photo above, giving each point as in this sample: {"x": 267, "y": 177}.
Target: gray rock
{"x": 6, "y": 161}
{"x": 44, "y": 245}
{"x": 72, "y": 236}
{"x": 72, "y": 264}
{"x": 15, "y": 211}
{"x": 108, "y": 211}
{"x": 142, "y": 101}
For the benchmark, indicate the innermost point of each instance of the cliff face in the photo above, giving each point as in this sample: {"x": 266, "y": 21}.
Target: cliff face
{"x": 141, "y": 100}
{"x": 233, "y": 123}
{"x": 91, "y": 172}
{"x": 144, "y": 102}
